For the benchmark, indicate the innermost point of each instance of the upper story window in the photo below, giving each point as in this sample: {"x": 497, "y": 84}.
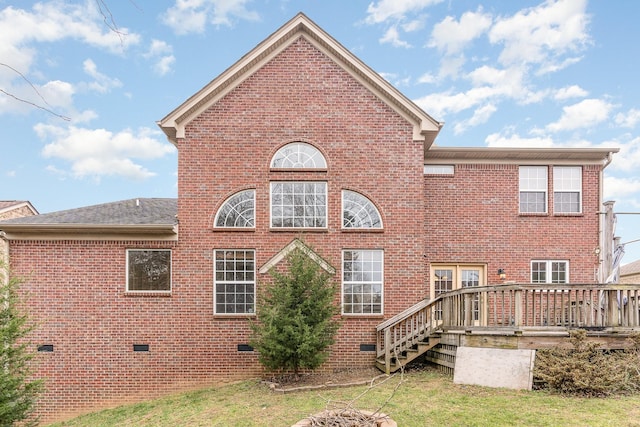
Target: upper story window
{"x": 567, "y": 189}
{"x": 298, "y": 204}
{"x": 238, "y": 211}
{"x": 298, "y": 155}
{"x": 149, "y": 270}
{"x": 358, "y": 211}
{"x": 533, "y": 189}
{"x": 546, "y": 271}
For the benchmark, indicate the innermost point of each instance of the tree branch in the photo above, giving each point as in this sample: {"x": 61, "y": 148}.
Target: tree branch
{"x": 33, "y": 104}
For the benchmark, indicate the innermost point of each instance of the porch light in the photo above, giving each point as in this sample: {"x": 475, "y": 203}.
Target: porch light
{"x": 502, "y": 274}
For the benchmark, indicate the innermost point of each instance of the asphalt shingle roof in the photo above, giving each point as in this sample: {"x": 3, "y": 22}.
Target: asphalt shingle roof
{"x": 140, "y": 211}
{"x": 631, "y": 268}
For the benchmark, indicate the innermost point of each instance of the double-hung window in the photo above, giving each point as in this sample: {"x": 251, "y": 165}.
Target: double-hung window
{"x": 362, "y": 281}
{"x": 549, "y": 271}
{"x": 234, "y": 281}
{"x": 533, "y": 189}
{"x": 149, "y": 270}
{"x": 567, "y": 189}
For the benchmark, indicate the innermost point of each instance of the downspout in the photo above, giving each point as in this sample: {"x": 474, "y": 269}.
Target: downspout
{"x": 605, "y": 240}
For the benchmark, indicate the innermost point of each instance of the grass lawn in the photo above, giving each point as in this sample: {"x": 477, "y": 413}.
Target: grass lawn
{"x": 425, "y": 398}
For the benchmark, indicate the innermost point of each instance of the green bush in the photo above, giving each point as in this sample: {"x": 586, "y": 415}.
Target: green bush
{"x": 587, "y": 370}
{"x": 296, "y": 316}
{"x": 18, "y": 392}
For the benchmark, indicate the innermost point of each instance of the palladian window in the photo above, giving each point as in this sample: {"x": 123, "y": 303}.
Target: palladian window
{"x": 298, "y": 155}
{"x": 238, "y": 211}
{"x": 358, "y": 211}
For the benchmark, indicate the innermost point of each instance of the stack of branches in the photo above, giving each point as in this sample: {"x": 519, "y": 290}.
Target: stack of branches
{"x": 345, "y": 414}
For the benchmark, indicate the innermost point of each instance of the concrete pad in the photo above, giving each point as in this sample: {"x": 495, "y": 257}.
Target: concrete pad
{"x": 494, "y": 367}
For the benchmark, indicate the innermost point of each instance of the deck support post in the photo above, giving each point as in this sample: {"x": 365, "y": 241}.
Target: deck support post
{"x": 468, "y": 309}
{"x": 387, "y": 351}
{"x": 613, "y": 314}
{"x": 517, "y": 309}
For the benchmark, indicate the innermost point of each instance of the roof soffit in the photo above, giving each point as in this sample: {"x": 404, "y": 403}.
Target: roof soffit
{"x": 461, "y": 155}
{"x": 425, "y": 127}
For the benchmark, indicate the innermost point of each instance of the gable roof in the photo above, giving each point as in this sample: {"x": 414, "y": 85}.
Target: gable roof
{"x": 127, "y": 216}
{"x": 9, "y": 205}
{"x": 425, "y": 128}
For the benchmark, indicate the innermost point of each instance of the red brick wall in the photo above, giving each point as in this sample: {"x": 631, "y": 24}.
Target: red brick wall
{"x": 78, "y": 288}
{"x": 473, "y": 217}
{"x": 301, "y": 95}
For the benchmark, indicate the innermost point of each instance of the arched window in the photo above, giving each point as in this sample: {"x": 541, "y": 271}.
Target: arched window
{"x": 238, "y": 211}
{"x": 359, "y": 212}
{"x": 298, "y": 155}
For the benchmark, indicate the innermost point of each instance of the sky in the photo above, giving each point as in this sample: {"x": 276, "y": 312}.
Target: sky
{"x": 83, "y": 82}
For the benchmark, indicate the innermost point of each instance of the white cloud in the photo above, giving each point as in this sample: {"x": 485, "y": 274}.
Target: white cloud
{"x": 628, "y": 158}
{"x": 516, "y": 141}
{"x": 584, "y": 114}
{"x": 427, "y": 78}
{"x": 629, "y": 119}
{"x": 58, "y": 93}
{"x": 489, "y": 86}
{"x": 385, "y": 10}
{"x": 451, "y": 36}
{"x": 162, "y": 53}
{"x": 415, "y": 25}
{"x": 54, "y": 21}
{"x": 22, "y": 32}
{"x": 191, "y": 16}
{"x": 615, "y": 187}
{"x": 393, "y": 37}
{"x": 481, "y": 115}
{"x": 568, "y": 92}
{"x": 543, "y": 33}
{"x": 99, "y": 152}
{"x": 102, "y": 83}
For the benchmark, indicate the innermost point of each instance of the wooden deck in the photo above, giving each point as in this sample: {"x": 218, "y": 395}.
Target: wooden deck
{"x": 513, "y": 316}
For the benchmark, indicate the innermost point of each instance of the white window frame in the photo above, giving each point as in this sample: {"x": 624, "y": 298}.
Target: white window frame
{"x": 364, "y": 214}
{"x": 354, "y": 282}
{"x": 160, "y": 291}
{"x": 293, "y": 217}
{"x": 232, "y": 206}
{"x": 567, "y": 179}
{"x": 233, "y": 281}
{"x": 298, "y": 155}
{"x": 533, "y": 179}
{"x": 548, "y": 263}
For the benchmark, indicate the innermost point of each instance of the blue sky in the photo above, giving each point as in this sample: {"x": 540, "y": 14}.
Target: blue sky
{"x": 96, "y": 75}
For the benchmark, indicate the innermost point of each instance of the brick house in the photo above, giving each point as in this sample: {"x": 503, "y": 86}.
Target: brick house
{"x": 297, "y": 145}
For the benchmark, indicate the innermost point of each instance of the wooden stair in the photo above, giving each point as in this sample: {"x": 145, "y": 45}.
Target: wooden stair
{"x": 408, "y": 335}
{"x": 409, "y": 354}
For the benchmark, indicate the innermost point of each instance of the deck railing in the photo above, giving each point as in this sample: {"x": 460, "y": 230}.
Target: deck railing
{"x": 512, "y": 306}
